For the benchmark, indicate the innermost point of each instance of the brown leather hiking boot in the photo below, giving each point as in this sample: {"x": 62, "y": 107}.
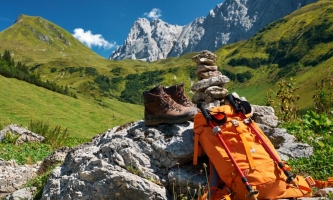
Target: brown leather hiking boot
{"x": 177, "y": 93}
{"x": 161, "y": 108}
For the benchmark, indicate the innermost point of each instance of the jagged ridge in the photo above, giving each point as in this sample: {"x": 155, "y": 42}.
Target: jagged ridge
{"x": 228, "y": 22}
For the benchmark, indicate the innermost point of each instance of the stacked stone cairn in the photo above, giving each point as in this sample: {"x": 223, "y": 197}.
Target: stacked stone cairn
{"x": 209, "y": 90}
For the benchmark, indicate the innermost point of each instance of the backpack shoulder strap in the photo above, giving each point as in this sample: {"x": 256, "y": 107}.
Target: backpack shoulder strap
{"x": 197, "y": 149}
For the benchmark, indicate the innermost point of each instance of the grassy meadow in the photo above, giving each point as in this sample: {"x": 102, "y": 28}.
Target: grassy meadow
{"x": 22, "y": 102}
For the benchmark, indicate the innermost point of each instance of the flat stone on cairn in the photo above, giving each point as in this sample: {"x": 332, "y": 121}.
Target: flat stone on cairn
{"x": 209, "y": 90}
{"x": 205, "y": 57}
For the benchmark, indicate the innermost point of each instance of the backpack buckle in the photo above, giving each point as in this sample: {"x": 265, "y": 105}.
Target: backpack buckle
{"x": 235, "y": 122}
{"x": 216, "y": 130}
{"x": 310, "y": 181}
{"x": 247, "y": 121}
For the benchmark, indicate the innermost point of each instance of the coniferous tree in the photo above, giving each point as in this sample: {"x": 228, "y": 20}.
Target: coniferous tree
{"x": 66, "y": 91}
{"x": 6, "y": 57}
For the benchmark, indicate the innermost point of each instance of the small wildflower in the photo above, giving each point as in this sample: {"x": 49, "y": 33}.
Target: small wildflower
{"x": 317, "y": 139}
{"x": 201, "y": 171}
{"x": 204, "y": 165}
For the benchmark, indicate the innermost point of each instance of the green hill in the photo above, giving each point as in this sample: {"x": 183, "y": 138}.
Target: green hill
{"x": 57, "y": 56}
{"x": 34, "y": 40}
{"x": 299, "y": 46}
{"x": 22, "y": 102}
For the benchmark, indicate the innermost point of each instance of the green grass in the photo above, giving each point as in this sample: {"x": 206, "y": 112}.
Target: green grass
{"x": 39, "y": 182}
{"x": 25, "y": 153}
{"x": 31, "y": 152}
{"x": 315, "y": 130}
{"x": 22, "y": 102}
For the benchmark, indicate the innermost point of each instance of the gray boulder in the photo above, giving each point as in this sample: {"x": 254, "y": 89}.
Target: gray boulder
{"x": 24, "y": 134}
{"x": 13, "y": 176}
{"x": 22, "y": 194}
{"x": 128, "y": 162}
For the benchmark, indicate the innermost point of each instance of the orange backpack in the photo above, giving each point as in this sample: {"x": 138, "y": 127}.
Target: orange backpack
{"x": 249, "y": 171}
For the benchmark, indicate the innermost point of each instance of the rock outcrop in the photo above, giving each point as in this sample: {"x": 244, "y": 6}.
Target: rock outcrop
{"x": 131, "y": 162}
{"x": 13, "y": 176}
{"x": 22, "y": 133}
{"x": 138, "y": 162}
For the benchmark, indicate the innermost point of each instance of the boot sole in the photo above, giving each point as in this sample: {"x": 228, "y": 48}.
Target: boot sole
{"x": 155, "y": 122}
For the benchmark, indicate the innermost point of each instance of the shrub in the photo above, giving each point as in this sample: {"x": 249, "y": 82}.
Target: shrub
{"x": 323, "y": 100}
{"x": 253, "y": 62}
{"x": 11, "y": 138}
{"x": 103, "y": 82}
{"x": 116, "y": 71}
{"x": 91, "y": 71}
{"x": 55, "y": 137}
{"x": 53, "y": 69}
{"x": 316, "y": 130}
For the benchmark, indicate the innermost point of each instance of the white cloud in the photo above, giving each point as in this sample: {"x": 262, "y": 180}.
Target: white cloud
{"x": 89, "y": 39}
{"x": 6, "y": 20}
{"x": 155, "y": 13}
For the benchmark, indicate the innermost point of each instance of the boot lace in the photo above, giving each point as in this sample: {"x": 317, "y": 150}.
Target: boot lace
{"x": 167, "y": 102}
{"x": 183, "y": 99}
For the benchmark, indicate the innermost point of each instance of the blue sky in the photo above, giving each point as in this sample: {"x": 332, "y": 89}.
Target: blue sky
{"x": 104, "y": 24}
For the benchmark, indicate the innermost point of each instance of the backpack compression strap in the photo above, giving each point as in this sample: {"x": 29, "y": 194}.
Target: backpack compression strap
{"x": 324, "y": 184}
{"x": 246, "y": 144}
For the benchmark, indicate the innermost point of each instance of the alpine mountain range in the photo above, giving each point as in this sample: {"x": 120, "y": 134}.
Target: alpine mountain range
{"x": 229, "y": 22}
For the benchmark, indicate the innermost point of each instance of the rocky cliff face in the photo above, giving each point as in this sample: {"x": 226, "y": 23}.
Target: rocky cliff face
{"x": 148, "y": 40}
{"x": 228, "y": 22}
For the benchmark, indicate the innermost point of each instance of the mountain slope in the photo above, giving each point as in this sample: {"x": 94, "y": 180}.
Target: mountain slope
{"x": 54, "y": 54}
{"x": 228, "y": 22}
{"x": 299, "y": 46}
{"x": 22, "y": 102}
{"x": 34, "y": 40}
{"x": 57, "y": 56}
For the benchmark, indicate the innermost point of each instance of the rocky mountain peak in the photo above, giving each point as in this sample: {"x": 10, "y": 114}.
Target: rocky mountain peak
{"x": 229, "y": 22}
{"x": 148, "y": 40}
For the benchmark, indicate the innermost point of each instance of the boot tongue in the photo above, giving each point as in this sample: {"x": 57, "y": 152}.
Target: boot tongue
{"x": 157, "y": 90}
{"x": 177, "y": 91}
{"x": 180, "y": 88}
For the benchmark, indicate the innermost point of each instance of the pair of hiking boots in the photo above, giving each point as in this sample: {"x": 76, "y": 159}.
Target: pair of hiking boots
{"x": 167, "y": 105}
